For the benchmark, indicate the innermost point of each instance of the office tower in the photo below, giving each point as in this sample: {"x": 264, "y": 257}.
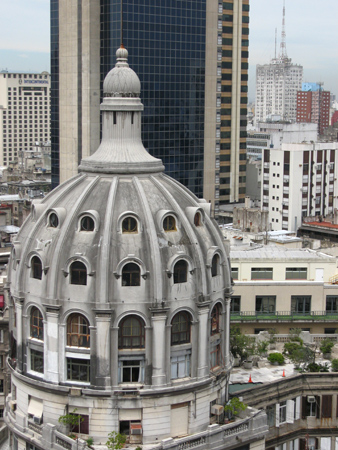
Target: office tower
{"x": 192, "y": 60}
{"x": 277, "y": 84}
{"x": 313, "y": 105}
{"x": 24, "y": 113}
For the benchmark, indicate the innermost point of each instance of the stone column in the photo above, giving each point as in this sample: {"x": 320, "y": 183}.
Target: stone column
{"x": 226, "y": 332}
{"x": 114, "y": 368}
{"x": 102, "y": 349}
{"x": 51, "y": 349}
{"x": 203, "y": 342}
{"x": 158, "y": 320}
{"x": 19, "y": 328}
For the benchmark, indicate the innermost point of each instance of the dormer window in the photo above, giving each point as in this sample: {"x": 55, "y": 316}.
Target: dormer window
{"x": 78, "y": 273}
{"x": 131, "y": 275}
{"x": 87, "y": 224}
{"x": 36, "y": 268}
{"x": 215, "y": 266}
{"x": 53, "y": 220}
{"x": 129, "y": 225}
{"x": 169, "y": 223}
{"x": 180, "y": 271}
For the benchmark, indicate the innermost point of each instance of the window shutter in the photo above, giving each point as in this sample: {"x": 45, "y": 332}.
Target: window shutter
{"x": 84, "y": 425}
{"x": 277, "y": 414}
{"x": 296, "y": 442}
{"x": 298, "y": 399}
{"x": 317, "y": 406}
{"x": 304, "y": 404}
{"x": 302, "y": 443}
{"x": 326, "y": 406}
{"x": 290, "y": 408}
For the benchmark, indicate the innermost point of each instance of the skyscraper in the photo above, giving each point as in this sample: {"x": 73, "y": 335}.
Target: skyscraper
{"x": 313, "y": 106}
{"x": 191, "y": 58}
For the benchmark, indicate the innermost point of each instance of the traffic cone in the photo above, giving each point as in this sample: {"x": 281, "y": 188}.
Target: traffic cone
{"x": 283, "y": 373}
{"x": 250, "y": 380}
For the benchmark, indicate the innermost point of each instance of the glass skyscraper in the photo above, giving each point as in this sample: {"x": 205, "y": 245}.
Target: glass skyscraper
{"x": 191, "y": 58}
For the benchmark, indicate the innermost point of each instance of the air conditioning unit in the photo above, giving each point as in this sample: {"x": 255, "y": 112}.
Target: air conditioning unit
{"x": 13, "y": 405}
{"x": 37, "y": 420}
{"x": 311, "y": 399}
{"x": 217, "y": 410}
{"x": 135, "y": 429}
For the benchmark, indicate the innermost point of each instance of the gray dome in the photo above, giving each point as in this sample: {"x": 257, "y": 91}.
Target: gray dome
{"x": 121, "y": 81}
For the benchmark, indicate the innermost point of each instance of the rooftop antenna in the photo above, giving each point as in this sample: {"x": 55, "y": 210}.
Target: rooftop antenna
{"x": 275, "y": 43}
{"x": 283, "y": 54}
{"x": 122, "y": 46}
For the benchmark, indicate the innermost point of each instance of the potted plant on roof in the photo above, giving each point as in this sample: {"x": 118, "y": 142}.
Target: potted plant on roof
{"x": 233, "y": 408}
{"x": 326, "y": 348}
{"x": 249, "y": 352}
{"x": 238, "y": 345}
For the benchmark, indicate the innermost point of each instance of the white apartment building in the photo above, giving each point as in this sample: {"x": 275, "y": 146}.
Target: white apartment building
{"x": 277, "y": 84}
{"x": 24, "y": 113}
{"x": 299, "y": 180}
{"x": 284, "y": 288}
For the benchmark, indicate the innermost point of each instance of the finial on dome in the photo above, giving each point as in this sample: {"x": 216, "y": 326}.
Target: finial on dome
{"x": 122, "y": 55}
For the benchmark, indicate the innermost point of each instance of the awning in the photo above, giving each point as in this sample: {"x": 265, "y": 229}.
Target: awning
{"x": 35, "y": 407}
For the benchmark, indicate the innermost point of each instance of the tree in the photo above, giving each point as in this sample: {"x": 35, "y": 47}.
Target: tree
{"x": 71, "y": 421}
{"x": 116, "y": 440}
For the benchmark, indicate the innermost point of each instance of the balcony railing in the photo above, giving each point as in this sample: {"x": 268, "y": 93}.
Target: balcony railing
{"x": 252, "y": 316}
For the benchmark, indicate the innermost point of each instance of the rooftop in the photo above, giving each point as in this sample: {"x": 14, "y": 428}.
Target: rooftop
{"x": 274, "y": 252}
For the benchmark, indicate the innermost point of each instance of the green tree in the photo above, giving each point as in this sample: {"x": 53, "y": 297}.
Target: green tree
{"x": 116, "y": 440}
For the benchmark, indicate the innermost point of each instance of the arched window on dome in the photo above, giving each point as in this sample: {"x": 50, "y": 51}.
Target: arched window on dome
{"x": 129, "y": 225}
{"x": 180, "y": 356}
{"x": 169, "y": 223}
{"x": 87, "y": 224}
{"x": 78, "y": 333}
{"x": 36, "y": 268}
{"x": 131, "y": 275}
{"x": 215, "y": 265}
{"x": 131, "y": 332}
{"x": 215, "y": 319}
{"x": 78, "y": 273}
{"x": 216, "y": 331}
{"x": 36, "y": 324}
{"x": 181, "y": 271}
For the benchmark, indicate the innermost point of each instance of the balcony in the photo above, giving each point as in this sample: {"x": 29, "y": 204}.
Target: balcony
{"x": 284, "y": 316}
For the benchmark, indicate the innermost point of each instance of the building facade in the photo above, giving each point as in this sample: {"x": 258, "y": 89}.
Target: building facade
{"x": 192, "y": 60}
{"x": 24, "y": 113}
{"x": 313, "y": 105}
{"x": 114, "y": 314}
{"x": 277, "y": 85}
{"x": 299, "y": 180}
{"x": 284, "y": 288}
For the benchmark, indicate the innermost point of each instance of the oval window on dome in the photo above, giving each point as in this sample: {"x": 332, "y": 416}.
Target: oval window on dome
{"x": 53, "y": 220}
{"x": 197, "y": 219}
{"x": 129, "y": 225}
{"x": 87, "y": 224}
{"x": 169, "y": 223}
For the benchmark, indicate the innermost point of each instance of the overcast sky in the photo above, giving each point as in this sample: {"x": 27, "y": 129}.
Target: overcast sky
{"x": 311, "y": 37}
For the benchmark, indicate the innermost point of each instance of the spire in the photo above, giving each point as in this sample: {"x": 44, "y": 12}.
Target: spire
{"x": 121, "y": 150}
{"x": 283, "y": 54}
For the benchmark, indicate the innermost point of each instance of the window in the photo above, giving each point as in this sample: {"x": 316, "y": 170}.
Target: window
{"x": 215, "y": 319}
{"x": 78, "y": 369}
{"x": 36, "y": 361}
{"x": 180, "y": 366}
{"x": 215, "y": 265}
{"x": 180, "y": 328}
{"x": 271, "y": 415}
{"x": 310, "y": 406}
{"x": 53, "y": 220}
{"x": 83, "y": 426}
{"x": 131, "y": 333}
{"x": 180, "y": 271}
{"x": 169, "y": 223}
{"x": 282, "y": 412}
{"x": 235, "y": 305}
{"x": 131, "y": 275}
{"x": 87, "y": 224}
{"x": 1, "y": 386}
{"x": 331, "y": 303}
{"x": 234, "y": 273}
{"x": 78, "y": 273}
{"x": 215, "y": 356}
{"x": 36, "y": 268}
{"x": 131, "y": 370}
{"x": 197, "y": 219}
{"x": 78, "y": 334}
{"x": 36, "y": 324}
{"x": 129, "y": 225}
{"x": 266, "y": 304}
{"x": 296, "y": 273}
{"x": 258, "y": 273}
{"x": 301, "y": 303}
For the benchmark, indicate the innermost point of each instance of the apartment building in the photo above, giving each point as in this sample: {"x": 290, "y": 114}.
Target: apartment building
{"x": 313, "y": 105}
{"x": 284, "y": 288}
{"x": 24, "y": 113}
{"x": 299, "y": 180}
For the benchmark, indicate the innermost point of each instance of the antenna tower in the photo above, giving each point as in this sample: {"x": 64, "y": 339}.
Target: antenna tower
{"x": 283, "y": 54}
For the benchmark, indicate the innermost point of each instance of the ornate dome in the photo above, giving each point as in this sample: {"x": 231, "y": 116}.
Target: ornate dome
{"x": 120, "y": 280}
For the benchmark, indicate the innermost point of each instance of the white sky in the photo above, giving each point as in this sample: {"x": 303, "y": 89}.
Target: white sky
{"x": 311, "y": 37}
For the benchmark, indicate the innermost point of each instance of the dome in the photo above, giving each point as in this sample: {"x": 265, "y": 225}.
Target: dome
{"x": 120, "y": 283}
{"x": 121, "y": 81}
